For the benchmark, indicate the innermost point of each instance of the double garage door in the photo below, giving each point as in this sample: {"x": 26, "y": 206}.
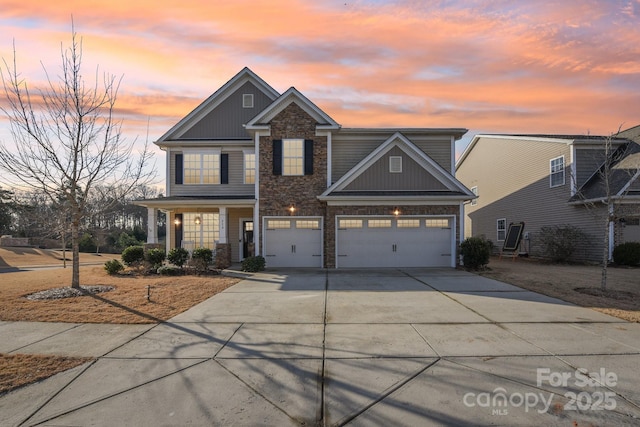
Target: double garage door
{"x": 394, "y": 242}
{"x": 425, "y": 241}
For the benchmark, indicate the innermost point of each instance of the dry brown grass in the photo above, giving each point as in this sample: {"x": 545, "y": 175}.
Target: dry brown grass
{"x": 27, "y": 257}
{"x": 561, "y": 281}
{"x": 17, "y": 370}
{"x": 126, "y": 304}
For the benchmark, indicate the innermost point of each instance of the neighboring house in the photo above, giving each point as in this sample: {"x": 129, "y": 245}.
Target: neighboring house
{"x": 548, "y": 180}
{"x": 254, "y": 172}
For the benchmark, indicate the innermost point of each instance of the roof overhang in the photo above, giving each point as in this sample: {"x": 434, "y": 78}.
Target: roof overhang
{"x": 170, "y": 203}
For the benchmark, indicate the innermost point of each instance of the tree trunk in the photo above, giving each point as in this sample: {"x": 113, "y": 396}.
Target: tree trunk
{"x": 75, "y": 244}
{"x": 605, "y": 257}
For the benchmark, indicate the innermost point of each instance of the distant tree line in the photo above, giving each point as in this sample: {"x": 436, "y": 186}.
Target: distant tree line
{"x": 32, "y": 214}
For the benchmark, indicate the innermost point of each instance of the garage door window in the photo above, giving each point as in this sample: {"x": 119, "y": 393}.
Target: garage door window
{"x": 274, "y": 224}
{"x": 344, "y": 224}
{"x": 379, "y": 223}
{"x": 308, "y": 224}
{"x": 408, "y": 223}
{"x": 437, "y": 223}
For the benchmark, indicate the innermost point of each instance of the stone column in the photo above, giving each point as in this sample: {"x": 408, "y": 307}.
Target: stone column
{"x": 223, "y": 225}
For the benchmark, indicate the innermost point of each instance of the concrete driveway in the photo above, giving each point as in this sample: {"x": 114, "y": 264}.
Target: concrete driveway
{"x": 357, "y": 347}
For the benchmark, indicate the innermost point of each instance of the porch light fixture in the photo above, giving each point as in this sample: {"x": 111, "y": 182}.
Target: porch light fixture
{"x": 197, "y": 220}
{"x": 176, "y": 221}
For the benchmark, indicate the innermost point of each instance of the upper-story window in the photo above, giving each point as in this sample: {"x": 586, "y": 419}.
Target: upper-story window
{"x": 292, "y": 157}
{"x": 556, "y": 172}
{"x": 474, "y": 190}
{"x": 249, "y": 167}
{"x": 201, "y": 168}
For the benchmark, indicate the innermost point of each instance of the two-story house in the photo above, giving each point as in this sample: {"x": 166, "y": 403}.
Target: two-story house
{"x": 254, "y": 172}
{"x": 553, "y": 180}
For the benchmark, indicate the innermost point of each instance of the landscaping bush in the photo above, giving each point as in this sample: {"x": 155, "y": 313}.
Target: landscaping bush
{"x": 169, "y": 270}
{"x": 178, "y": 256}
{"x": 627, "y": 254}
{"x": 253, "y": 264}
{"x": 201, "y": 258}
{"x": 560, "y": 241}
{"x": 155, "y": 257}
{"x": 87, "y": 243}
{"x": 133, "y": 255}
{"x": 476, "y": 252}
{"x": 113, "y": 266}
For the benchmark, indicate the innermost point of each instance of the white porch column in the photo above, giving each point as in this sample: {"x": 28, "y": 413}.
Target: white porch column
{"x": 152, "y": 225}
{"x": 223, "y": 225}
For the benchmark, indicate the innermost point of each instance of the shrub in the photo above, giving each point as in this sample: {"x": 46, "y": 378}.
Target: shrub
{"x": 169, "y": 270}
{"x": 178, "y": 256}
{"x": 155, "y": 257}
{"x": 125, "y": 240}
{"x": 253, "y": 264}
{"x": 113, "y": 266}
{"x": 560, "y": 241}
{"x": 201, "y": 258}
{"x": 87, "y": 243}
{"x": 133, "y": 255}
{"x": 627, "y": 254}
{"x": 476, "y": 252}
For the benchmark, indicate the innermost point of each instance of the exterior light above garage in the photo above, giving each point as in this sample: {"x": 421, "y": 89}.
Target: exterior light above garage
{"x": 396, "y": 211}
{"x": 292, "y": 209}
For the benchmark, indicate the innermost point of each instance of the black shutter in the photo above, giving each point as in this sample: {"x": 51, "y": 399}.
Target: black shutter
{"x": 178, "y": 168}
{"x": 308, "y": 157}
{"x": 178, "y": 230}
{"x": 224, "y": 168}
{"x": 277, "y": 157}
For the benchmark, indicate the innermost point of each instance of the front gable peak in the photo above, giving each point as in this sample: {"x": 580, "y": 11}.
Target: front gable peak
{"x": 291, "y": 96}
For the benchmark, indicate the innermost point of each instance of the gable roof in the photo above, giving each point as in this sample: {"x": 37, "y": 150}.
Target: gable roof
{"x": 292, "y": 95}
{"x": 624, "y": 171}
{"x": 454, "y": 189}
{"x": 245, "y": 75}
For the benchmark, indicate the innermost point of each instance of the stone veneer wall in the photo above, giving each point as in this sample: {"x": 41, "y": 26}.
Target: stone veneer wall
{"x": 278, "y": 193}
{"x": 332, "y": 211}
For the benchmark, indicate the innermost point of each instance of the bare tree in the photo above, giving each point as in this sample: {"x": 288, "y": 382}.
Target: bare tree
{"x": 67, "y": 139}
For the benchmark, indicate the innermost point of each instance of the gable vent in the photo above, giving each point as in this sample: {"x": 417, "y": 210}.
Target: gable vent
{"x": 395, "y": 164}
{"x": 247, "y": 100}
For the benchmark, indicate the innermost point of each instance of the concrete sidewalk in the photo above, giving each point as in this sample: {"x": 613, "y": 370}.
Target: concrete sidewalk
{"x": 357, "y": 347}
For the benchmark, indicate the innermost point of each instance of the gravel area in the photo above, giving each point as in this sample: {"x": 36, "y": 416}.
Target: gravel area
{"x": 68, "y": 292}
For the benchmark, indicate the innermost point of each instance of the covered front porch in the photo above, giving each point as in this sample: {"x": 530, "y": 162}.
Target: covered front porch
{"x": 214, "y": 224}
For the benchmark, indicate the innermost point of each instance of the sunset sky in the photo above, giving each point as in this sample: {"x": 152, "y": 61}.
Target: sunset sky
{"x": 489, "y": 66}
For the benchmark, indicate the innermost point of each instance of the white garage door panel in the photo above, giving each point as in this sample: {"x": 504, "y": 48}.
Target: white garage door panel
{"x": 395, "y": 246}
{"x": 293, "y": 247}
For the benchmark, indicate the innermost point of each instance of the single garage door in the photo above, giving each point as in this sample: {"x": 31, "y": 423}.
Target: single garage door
{"x": 395, "y": 242}
{"x": 293, "y": 242}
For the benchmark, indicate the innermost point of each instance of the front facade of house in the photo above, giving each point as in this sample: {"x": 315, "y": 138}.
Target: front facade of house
{"x": 548, "y": 180}
{"x": 254, "y": 172}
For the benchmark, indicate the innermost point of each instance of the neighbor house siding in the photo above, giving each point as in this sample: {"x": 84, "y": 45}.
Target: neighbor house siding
{"x": 227, "y": 120}
{"x": 513, "y": 182}
{"x": 587, "y": 161}
{"x": 412, "y": 178}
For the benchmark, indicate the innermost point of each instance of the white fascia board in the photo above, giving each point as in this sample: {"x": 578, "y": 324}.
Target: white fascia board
{"x": 390, "y": 200}
{"x": 177, "y": 204}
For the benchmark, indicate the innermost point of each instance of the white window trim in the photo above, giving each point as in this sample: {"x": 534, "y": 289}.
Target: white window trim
{"x": 244, "y": 167}
{"x": 498, "y": 229}
{"x": 551, "y": 173}
{"x": 247, "y": 100}
{"x": 301, "y": 157}
{"x": 201, "y": 153}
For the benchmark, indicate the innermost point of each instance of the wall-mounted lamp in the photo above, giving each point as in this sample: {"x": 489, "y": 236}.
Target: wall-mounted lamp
{"x": 292, "y": 209}
{"x": 197, "y": 220}
{"x": 176, "y": 221}
{"x": 396, "y": 211}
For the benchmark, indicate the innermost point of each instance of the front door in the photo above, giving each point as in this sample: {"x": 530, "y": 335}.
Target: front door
{"x": 247, "y": 239}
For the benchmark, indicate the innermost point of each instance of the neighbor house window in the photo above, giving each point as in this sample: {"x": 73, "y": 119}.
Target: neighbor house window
{"x": 556, "y": 171}
{"x": 200, "y": 230}
{"x": 474, "y": 190}
{"x": 501, "y": 229}
{"x": 249, "y": 168}
{"x": 293, "y": 157}
{"x": 201, "y": 168}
